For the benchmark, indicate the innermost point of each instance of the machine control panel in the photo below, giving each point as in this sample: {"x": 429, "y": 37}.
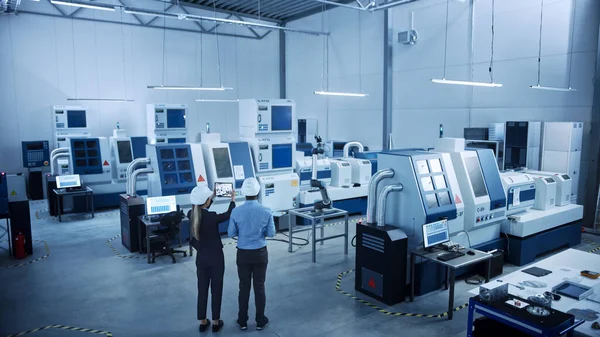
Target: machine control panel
{"x": 274, "y": 154}
{"x": 69, "y": 117}
{"x": 259, "y": 116}
{"x": 35, "y": 154}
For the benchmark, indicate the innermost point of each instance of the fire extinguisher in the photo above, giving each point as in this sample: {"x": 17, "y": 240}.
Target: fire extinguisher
{"x": 20, "y": 246}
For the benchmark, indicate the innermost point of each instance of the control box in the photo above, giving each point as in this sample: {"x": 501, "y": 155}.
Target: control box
{"x": 36, "y": 154}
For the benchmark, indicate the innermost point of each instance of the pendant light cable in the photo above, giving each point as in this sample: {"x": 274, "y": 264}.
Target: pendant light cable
{"x": 540, "y": 45}
{"x": 124, "y": 73}
{"x": 446, "y": 38}
{"x": 164, "y": 74}
{"x": 574, "y": 4}
{"x": 218, "y": 49}
{"x": 491, "y": 70}
{"x": 74, "y": 58}
{"x": 359, "y": 54}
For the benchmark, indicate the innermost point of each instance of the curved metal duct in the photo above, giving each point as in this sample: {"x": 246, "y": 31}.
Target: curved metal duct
{"x": 372, "y": 195}
{"x": 134, "y": 176}
{"x": 130, "y": 186}
{"x": 54, "y": 158}
{"x": 347, "y": 147}
{"x": 381, "y": 201}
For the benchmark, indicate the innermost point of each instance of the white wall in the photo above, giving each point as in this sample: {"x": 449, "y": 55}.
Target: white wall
{"x": 38, "y": 71}
{"x": 340, "y": 118}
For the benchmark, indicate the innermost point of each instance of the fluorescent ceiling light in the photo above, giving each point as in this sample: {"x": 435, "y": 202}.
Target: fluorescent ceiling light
{"x": 218, "y": 100}
{"x": 347, "y": 94}
{"x": 102, "y": 7}
{"x": 539, "y": 87}
{"x": 251, "y": 24}
{"x": 179, "y": 87}
{"x": 101, "y": 99}
{"x": 474, "y": 84}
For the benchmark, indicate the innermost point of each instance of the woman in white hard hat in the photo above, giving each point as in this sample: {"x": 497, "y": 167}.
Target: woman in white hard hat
{"x": 252, "y": 223}
{"x": 210, "y": 262}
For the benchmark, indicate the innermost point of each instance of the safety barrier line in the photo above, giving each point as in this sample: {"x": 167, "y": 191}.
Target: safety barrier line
{"x": 338, "y": 288}
{"x": 117, "y": 253}
{"x": 46, "y": 249}
{"x": 63, "y": 327}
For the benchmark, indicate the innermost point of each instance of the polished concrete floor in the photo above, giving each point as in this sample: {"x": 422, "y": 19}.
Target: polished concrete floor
{"x": 84, "y": 284}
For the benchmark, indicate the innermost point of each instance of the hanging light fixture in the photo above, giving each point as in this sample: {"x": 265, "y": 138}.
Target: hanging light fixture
{"x": 113, "y": 100}
{"x": 538, "y": 86}
{"x": 186, "y": 87}
{"x": 325, "y": 86}
{"x": 490, "y": 84}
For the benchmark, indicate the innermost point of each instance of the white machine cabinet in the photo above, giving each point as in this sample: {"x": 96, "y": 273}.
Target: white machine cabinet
{"x": 166, "y": 123}
{"x": 561, "y": 151}
{"x": 267, "y": 116}
{"x": 69, "y": 121}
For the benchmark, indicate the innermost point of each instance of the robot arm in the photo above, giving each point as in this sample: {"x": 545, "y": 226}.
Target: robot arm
{"x": 314, "y": 182}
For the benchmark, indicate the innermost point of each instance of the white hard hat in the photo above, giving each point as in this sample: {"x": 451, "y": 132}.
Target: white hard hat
{"x": 200, "y": 194}
{"x": 250, "y": 187}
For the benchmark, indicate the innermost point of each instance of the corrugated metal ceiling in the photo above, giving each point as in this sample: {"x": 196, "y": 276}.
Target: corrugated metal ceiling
{"x": 279, "y": 10}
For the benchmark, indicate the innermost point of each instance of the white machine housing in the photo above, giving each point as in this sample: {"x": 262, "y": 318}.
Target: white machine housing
{"x": 259, "y": 116}
{"x": 341, "y": 173}
{"x": 545, "y": 196}
{"x": 69, "y": 121}
{"x": 268, "y": 152}
{"x": 221, "y": 171}
{"x": 561, "y": 151}
{"x": 279, "y": 192}
{"x": 361, "y": 170}
{"x": 455, "y": 226}
{"x": 563, "y": 185}
{"x": 304, "y": 170}
{"x": 517, "y": 184}
{"x": 121, "y": 154}
{"x": 161, "y": 129}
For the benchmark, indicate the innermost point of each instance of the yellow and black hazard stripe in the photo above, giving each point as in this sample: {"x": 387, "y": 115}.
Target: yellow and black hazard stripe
{"x": 64, "y": 327}
{"x": 338, "y": 288}
{"x": 593, "y": 243}
{"x": 117, "y": 253}
{"x": 47, "y": 253}
{"x": 597, "y": 249}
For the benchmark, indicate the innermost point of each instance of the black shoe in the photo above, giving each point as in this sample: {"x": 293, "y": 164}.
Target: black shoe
{"x": 243, "y": 326}
{"x": 218, "y": 327}
{"x": 204, "y": 327}
{"x": 262, "y": 325}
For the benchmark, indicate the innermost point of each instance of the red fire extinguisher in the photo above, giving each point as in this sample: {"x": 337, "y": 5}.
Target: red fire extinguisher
{"x": 20, "y": 246}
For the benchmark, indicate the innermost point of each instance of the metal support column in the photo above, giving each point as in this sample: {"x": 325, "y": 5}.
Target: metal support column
{"x": 282, "y": 75}
{"x": 388, "y": 39}
{"x": 593, "y": 176}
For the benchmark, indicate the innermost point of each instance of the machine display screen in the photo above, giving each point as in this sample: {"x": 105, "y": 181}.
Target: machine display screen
{"x": 566, "y": 177}
{"x": 124, "y": 148}
{"x": 435, "y": 233}
{"x": 549, "y": 180}
{"x": 222, "y": 162}
{"x": 175, "y": 118}
{"x": 476, "y": 176}
{"x": 76, "y": 119}
{"x": 281, "y": 118}
{"x": 35, "y": 146}
{"x": 282, "y": 156}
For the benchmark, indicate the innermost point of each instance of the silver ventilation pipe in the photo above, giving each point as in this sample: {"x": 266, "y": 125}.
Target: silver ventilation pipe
{"x": 372, "y": 195}
{"x": 130, "y": 186}
{"x": 53, "y": 154}
{"x": 134, "y": 175}
{"x": 54, "y": 159}
{"x": 347, "y": 147}
{"x": 381, "y": 202}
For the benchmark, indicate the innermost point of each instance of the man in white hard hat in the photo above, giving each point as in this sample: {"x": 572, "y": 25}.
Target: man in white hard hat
{"x": 252, "y": 224}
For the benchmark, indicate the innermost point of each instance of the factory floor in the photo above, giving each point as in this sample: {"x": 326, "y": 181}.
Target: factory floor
{"x": 83, "y": 283}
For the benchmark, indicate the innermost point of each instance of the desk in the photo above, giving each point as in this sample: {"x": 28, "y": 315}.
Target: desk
{"x": 6, "y": 232}
{"x": 317, "y": 220}
{"x": 451, "y": 266}
{"x": 564, "y": 265}
{"x": 149, "y": 226}
{"x": 554, "y": 325}
{"x": 63, "y": 192}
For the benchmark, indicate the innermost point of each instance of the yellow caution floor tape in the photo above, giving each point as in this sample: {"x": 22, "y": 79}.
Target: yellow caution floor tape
{"x": 338, "y": 288}
{"x": 117, "y": 253}
{"x": 46, "y": 249}
{"x": 593, "y": 243}
{"x": 63, "y": 327}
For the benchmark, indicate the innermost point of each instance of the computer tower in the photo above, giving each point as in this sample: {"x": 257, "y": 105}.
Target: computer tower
{"x": 381, "y": 257}
{"x": 35, "y": 185}
{"x": 131, "y": 209}
{"x": 50, "y": 187}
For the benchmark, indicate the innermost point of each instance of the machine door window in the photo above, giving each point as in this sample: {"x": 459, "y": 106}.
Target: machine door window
{"x": 124, "y": 148}
{"x": 476, "y": 177}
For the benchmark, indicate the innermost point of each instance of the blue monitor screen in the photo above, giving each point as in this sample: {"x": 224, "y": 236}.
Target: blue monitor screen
{"x": 176, "y": 140}
{"x": 175, "y": 118}
{"x": 282, "y": 156}
{"x": 76, "y": 119}
{"x": 281, "y": 118}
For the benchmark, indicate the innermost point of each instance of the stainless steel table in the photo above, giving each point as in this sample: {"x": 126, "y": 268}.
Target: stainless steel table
{"x": 451, "y": 266}
{"x": 62, "y": 192}
{"x": 317, "y": 220}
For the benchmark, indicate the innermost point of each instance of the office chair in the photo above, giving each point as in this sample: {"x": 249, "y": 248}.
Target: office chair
{"x": 167, "y": 232}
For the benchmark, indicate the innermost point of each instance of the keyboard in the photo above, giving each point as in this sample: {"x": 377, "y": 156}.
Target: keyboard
{"x": 449, "y": 256}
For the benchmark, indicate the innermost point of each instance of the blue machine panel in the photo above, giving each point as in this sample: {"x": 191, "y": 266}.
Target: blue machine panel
{"x": 306, "y": 148}
{"x": 281, "y": 118}
{"x": 433, "y": 184}
{"x": 175, "y": 118}
{"x": 86, "y": 157}
{"x": 282, "y": 156}
{"x": 489, "y": 166}
{"x": 139, "y": 146}
{"x": 524, "y": 195}
{"x": 176, "y": 168}
{"x": 176, "y": 141}
{"x": 35, "y": 154}
{"x": 3, "y": 195}
{"x": 240, "y": 156}
{"x": 76, "y": 119}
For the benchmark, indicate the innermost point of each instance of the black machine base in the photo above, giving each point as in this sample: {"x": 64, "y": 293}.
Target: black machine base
{"x": 381, "y": 257}
{"x": 20, "y": 222}
{"x": 131, "y": 208}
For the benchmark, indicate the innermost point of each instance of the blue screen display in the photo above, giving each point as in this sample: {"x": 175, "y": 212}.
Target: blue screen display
{"x": 282, "y": 156}
{"x": 176, "y": 140}
{"x": 175, "y": 118}
{"x": 281, "y": 118}
{"x": 76, "y": 119}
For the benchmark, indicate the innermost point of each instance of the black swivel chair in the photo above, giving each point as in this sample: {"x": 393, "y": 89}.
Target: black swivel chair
{"x": 168, "y": 231}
